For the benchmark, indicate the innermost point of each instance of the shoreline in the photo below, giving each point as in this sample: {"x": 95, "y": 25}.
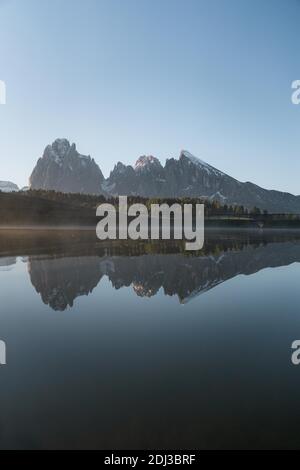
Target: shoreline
{"x": 90, "y": 228}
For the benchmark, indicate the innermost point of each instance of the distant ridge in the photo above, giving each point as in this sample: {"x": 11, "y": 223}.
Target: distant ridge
{"x": 8, "y": 187}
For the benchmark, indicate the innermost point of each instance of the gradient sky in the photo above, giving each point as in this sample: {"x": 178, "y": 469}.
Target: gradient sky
{"x": 123, "y": 78}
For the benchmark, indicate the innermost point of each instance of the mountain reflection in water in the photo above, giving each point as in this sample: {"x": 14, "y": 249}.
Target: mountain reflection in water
{"x": 76, "y": 268}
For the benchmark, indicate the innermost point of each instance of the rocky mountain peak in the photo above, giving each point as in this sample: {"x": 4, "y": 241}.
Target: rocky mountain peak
{"x": 146, "y": 163}
{"x": 119, "y": 168}
{"x": 57, "y": 151}
{"x": 61, "y": 147}
{"x": 191, "y": 159}
{"x": 62, "y": 168}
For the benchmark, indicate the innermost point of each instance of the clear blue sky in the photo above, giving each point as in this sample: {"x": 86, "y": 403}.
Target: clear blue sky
{"x": 123, "y": 78}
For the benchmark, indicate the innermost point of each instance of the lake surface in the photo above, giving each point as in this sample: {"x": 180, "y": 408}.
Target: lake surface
{"x": 146, "y": 346}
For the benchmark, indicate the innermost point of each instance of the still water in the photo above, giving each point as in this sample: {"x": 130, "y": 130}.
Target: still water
{"x": 127, "y": 347}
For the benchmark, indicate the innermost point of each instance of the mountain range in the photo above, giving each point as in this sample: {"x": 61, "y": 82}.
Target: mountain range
{"x": 63, "y": 168}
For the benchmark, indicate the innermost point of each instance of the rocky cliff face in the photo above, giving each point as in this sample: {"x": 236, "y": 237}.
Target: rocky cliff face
{"x": 62, "y": 168}
{"x": 150, "y": 176}
{"x": 122, "y": 181}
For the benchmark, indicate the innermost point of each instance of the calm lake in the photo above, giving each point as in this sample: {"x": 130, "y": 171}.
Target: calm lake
{"x": 147, "y": 346}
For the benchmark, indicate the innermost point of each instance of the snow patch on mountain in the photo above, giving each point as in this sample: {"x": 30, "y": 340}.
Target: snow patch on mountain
{"x": 8, "y": 187}
{"x": 146, "y": 161}
{"x": 200, "y": 163}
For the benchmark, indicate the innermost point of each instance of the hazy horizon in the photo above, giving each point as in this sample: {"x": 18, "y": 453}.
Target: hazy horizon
{"x": 124, "y": 79}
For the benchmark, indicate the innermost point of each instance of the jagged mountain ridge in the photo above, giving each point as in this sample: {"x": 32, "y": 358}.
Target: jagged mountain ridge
{"x": 189, "y": 176}
{"x": 62, "y": 168}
